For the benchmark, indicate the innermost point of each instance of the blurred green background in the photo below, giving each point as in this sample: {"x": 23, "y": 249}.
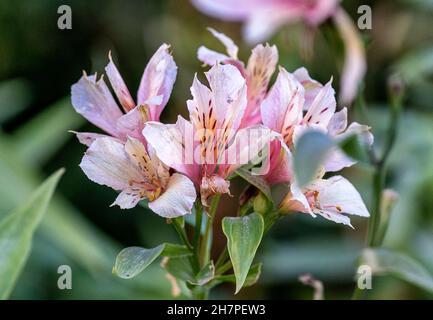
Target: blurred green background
{"x": 39, "y": 63}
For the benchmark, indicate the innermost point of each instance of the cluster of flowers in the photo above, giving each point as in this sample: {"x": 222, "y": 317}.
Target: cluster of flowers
{"x": 230, "y": 122}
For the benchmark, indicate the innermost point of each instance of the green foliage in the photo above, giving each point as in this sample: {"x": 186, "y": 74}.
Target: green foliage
{"x": 133, "y": 260}
{"x": 386, "y": 261}
{"x": 244, "y": 235}
{"x": 16, "y": 233}
{"x": 180, "y": 267}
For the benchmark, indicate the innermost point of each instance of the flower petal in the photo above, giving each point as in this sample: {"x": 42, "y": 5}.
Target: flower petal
{"x": 311, "y": 86}
{"x": 229, "y": 95}
{"x": 261, "y": 65}
{"x": 227, "y": 9}
{"x": 322, "y": 108}
{"x": 338, "y": 122}
{"x": 107, "y": 163}
{"x": 249, "y": 144}
{"x": 132, "y": 123}
{"x": 282, "y": 108}
{"x": 173, "y": 144}
{"x": 210, "y": 57}
{"x": 119, "y": 86}
{"x": 178, "y": 198}
{"x": 355, "y": 64}
{"x": 87, "y": 138}
{"x": 127, "y": 199}
{"x": 337, "y": 195}
{"x": 231, "y": 47}
{"x": 262, "y": 24}
{"x": 280, "y": 170}
{"x": 93, "y": 100}
{"x": 158, "y": 80}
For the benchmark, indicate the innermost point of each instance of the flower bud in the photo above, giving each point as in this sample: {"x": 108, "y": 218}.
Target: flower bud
{"x": 262, "y": 204}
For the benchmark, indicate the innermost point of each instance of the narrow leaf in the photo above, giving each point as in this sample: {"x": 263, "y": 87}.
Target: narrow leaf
{"x": 16, "y": 233}
{"x": 243, "y": 238}
{"x": 385, "y": 261}
{"x": 256, "y": 181}
{"x": 310, "y": 151}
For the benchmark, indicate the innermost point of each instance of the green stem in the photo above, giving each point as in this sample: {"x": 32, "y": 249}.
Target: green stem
{"x": 206, "y": 244}
{"x": 197, "y": 231}
{"x": 182, "y": 234}
{"x": 222, "y": 258}
{"x": 184, "y": 239}
{"x": 374, "y": 238}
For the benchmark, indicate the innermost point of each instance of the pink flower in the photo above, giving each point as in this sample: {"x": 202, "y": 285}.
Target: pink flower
{"x": 121, "y": 158}
{"x": 259, "y": 70}
{"x": 329, "y": 198}
{"x": 211, "y": 145}
{"x": 138, "y": 174}
{"x": 297, "y": 103}
{"x": 262, "y": 18}
{"x": 92, "y": 99}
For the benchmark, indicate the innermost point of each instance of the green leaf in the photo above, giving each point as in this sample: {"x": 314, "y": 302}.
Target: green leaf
{"x": 252, "y": 277}
{"x": 385, "y": 261}
{"x": 48, "y": 132}
{"x": 15, "y": 96}
{"x": 243, "y": 238}
{"x": 180, "y": 268}
{"x": 256, "y": 181}
{"x": 206, "y": 274}
{"x": 310, "y": 152}
{"x": 175, "y": 250}
{"x": 16, "y": 233}
{"x": 133, "y": 260}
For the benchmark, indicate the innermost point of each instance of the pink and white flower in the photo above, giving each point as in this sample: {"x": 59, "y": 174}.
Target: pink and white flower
{"x": 260, "y": 67}
{"x": 262, "y": 18}
{"x": 329, "y": 198}
{"x": 93, "y": 100}
{"x": 121, "y": 158}
{"x": 212, "y": 139}
{"x": 297, "y": 103}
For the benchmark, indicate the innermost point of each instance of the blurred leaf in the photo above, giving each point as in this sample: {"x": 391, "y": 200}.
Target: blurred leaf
{"x": 422, "y": 4}
{"x": 327, "y": 258}
{"x": 311, "y": 150}
{"x": 14, "y": 97}
{"x": 16, "y": 233}
{"x": 252, "y": 277}
{"x": 42, "y": 136}
{"x": 416, "y": 65}
{"x": 385, "y": 261}
{"x": 256, "y": 181}
{"x": 180, "y": 268}
{"x": 243, "y": 238}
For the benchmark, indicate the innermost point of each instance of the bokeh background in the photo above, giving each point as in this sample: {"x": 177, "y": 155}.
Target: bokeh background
{"x": 39, "y": 63}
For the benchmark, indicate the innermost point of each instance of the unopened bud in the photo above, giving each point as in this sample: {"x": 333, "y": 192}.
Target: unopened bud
{"x": 262, "y": 204}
